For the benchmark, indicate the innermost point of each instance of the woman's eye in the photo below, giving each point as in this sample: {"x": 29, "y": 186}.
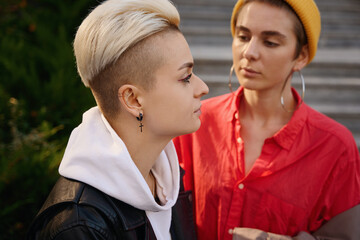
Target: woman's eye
{"x": 271, "y": 44}
{"x": 187, "y": 79}
{"x": 243, "y": 38}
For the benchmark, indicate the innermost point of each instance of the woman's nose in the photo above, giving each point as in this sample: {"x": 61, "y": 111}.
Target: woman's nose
{"x": 201, "y": 88}
{"x": 251, "y": 50}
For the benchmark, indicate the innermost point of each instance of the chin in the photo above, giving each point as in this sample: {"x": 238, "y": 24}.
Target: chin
{"x": 196, "y": 127}
{"x": 188, "y": 128}
{"x": 251, "y": 86}
{"x": 193, "y": 129}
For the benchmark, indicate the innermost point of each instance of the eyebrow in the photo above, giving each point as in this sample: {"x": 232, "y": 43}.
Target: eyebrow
{"x": 241, "y": 28}
{"x": 264, "y": 33}
{"x": 186, "y": 65}
{"x": 273, "y": 34}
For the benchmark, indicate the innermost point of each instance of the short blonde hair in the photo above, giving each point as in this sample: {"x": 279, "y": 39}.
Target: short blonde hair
{"x": 115, "y": 26}
{"x": 136, "y": 66}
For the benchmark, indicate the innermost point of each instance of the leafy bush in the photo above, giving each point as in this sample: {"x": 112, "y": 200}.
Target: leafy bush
{"x": 28, "y": 170}
{"x": 41, "y": 100}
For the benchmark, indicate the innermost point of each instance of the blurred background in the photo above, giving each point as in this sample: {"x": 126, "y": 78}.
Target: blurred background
{"x": 42, "y": 98}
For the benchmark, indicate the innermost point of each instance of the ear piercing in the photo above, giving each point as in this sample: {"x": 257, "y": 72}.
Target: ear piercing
{"x": 140, "y": 118}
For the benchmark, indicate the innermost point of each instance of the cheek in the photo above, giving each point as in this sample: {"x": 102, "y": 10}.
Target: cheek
{"x": 173, "y": 116}
{"x": 233, "y": 46}
{"x": 236, "y": 50}
{"x": 285, "y": 61}
{"x": 169, "y": 107}
{"x": 179, "y": 107}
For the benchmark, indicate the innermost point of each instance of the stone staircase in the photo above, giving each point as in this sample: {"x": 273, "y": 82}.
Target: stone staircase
{"x": 332, "y": 79}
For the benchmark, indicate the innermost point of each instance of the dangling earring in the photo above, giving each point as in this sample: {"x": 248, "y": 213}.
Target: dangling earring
{"x": 140, "y": 118}
{"x": 303, "y": 87}
{"x": 302, "y": 94}
{"x": 231, "y": 73}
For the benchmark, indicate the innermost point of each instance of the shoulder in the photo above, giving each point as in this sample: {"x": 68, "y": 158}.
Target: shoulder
{"x": 326, "y": 124}
{"x": 218, "y": 102}
{"x": 76, "y": 208}
{"x": 326, "y": 127}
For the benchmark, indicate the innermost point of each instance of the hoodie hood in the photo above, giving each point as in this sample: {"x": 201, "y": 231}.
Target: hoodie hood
{"x": 97, "y": 156}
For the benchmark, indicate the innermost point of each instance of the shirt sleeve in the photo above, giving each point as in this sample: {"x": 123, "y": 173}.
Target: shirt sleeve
{"x": 342, "y": 191}
{"x": 342, "y": 226}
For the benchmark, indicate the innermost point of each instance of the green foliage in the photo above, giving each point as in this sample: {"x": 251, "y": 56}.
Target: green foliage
{"x": 41, "y": 100}
{"x": 37, "y": 63}
{"x": 28, "y": 170}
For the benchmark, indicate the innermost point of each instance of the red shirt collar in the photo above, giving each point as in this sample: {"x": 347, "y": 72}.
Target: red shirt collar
{"x": 235, "y": 103}
{"x": 286, "y": 135}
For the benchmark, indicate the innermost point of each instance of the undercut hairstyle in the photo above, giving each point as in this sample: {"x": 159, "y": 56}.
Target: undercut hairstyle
{"x": 136, "y": 66}
{"x": 113, "y": 46}
{"x": 298, "y": 26}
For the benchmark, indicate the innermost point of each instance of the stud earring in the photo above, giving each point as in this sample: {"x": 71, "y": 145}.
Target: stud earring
{"x": 140, "y": 118}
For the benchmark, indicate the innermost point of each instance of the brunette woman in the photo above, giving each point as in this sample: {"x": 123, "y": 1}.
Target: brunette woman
{"x": 264, "y": 165}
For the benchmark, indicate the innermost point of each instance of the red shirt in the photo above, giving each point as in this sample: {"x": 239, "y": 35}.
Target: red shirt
{"x": 308, "y": 172}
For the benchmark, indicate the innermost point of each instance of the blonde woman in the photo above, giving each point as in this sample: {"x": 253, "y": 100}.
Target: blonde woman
{"x": 265, "y": 165}
{"x": 120, "y": 176}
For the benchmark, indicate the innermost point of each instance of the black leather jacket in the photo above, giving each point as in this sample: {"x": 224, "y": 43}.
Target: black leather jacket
{"x": 75, "y": 210}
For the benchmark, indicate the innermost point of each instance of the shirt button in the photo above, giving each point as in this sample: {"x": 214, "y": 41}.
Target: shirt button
{"x": 236, "y": 116}
{"x": 238, "y": 140}
{"x": 241, "y": 186}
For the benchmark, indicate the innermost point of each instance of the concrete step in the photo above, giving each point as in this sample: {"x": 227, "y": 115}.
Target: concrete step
{"x": 357, "y": 139}
{"x": 335, "y": 5}
{"x": 335, "y": 62}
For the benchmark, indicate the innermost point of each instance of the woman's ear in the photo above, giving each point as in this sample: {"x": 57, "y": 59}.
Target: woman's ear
{"x": 302, "y": 60}
{"x": 130, "y": 98}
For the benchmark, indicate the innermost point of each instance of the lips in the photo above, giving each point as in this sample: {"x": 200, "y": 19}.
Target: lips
{"x": 198, "y": 110}
{"x": 249, "y": 69}
{"x": 248, "y": 72}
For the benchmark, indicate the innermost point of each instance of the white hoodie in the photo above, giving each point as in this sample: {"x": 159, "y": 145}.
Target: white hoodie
{"x": 97, "y": 156}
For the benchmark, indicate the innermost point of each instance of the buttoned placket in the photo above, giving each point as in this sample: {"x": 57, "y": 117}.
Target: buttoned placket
{"x": 239, "y": 189}
{"x": 236, "y": 207}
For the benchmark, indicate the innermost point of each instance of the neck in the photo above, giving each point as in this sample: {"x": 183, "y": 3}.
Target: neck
{"x": 264, "y": 107}
{"x": 143, "y": 148}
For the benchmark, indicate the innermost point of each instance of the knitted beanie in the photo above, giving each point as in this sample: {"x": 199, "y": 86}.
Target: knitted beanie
{"x": 308, "y": 14}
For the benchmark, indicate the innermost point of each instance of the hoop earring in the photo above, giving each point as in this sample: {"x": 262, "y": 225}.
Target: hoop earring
{"x": 140, "y": 118}
{"x": 302, "y": 94}
{"x": 231, "y": 73}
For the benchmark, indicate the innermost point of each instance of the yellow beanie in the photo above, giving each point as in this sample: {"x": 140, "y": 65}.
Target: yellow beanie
{"x": 308, "y": 14}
